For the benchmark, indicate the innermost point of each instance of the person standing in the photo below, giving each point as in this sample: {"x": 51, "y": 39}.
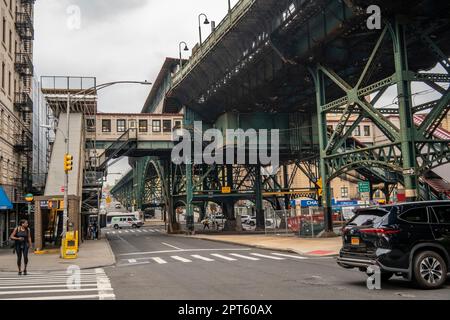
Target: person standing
{"x": 22, "y": 237}
{"x": 95, "y": 231}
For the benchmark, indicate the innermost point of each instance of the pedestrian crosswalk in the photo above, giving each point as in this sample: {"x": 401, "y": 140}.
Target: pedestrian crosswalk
{"x": 136, "y": 231}
{"x": 184, "y": 257}
{"x": 75, "y": 284}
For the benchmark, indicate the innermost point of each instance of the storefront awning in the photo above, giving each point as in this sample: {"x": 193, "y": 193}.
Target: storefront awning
{"x": 5, "y": 203}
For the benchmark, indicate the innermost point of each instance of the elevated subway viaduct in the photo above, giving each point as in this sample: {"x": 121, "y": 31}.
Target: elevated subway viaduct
{"x": 286, "y": 65}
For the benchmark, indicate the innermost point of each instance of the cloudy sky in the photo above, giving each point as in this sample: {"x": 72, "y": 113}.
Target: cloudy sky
{"x": 117, "y": 40}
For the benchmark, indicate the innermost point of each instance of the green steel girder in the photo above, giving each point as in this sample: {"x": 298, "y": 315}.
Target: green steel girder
{"x": 412, "y": 151}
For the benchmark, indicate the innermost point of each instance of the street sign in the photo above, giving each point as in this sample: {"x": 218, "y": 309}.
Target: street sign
{"x": 63, "y": 189}
{"x": 29, "y": 197}
{"x": 364, "y": 186}
{"x": 226, "y": 189}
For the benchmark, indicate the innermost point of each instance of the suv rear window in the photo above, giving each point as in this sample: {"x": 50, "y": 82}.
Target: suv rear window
{"x": 370, "y": 217}
{"x": 442, "y": 214}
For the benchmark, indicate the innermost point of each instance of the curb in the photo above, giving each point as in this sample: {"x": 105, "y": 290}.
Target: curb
{"x": 258, "y": 246}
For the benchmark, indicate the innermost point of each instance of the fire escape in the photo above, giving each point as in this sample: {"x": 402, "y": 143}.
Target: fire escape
{"x": 23, "y": 103}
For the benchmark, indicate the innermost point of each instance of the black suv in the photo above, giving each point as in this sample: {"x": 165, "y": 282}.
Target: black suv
{"x": 409, "y": 239}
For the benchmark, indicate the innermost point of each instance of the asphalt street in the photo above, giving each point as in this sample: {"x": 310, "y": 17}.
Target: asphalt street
{"x": 153, "y": 265}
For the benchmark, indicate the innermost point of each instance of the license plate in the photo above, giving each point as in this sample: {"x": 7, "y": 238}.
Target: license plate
{"x": 355, "y": 241}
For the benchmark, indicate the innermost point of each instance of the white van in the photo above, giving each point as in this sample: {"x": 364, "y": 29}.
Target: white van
{"x": 125, "y": 222}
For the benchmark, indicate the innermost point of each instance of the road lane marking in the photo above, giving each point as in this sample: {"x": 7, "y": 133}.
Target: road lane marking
{"x": 223, "y": 257}
{"x": 132, "y": 260}
{"x": 243, "y": 257}
{"x": 196, "y": 256}
{"x": 151, "y": 230}
{"x": 138, "y": 231}
{"x": 265, "y": 256}
{"x": 73, "y": 297}
{"x": 182, "y": 250}
{"x": 113, "y": 232}
{"x": 103, "y": 285}
{"x": 120, "y": 231}
{"x": 126, "y": 231}
{"x": 289, "y": 256}
{"x": 159, "y": 260}
{"x": 180, "y": 259}
{"x": 145, "y": 230}
{"x": 46, "y": 291}
{"x": 169, "y": 245}
{"x": 46, "y": 286}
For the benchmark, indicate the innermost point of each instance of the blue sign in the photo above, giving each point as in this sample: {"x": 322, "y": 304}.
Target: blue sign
{"x": 345, "y": 203}
{"x": 309, "y": 203}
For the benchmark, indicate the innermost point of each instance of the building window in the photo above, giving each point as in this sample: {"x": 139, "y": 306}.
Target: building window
{"x": 367, "y": 131}
{"x": 330, "y": 128}
{"x": 167, "y": 125}
{"x": 143, "y": 126}
{"x": 3, "y": 75}
{"x": 106, "y": 125}
{"x": 9, "y": 83}
{"x": 90, "y": 124}
{"x": 4, "y": 30}
{"x": 178, "y": 124}
{"x": 156, "y": 125}
{"x": 344, "y": 192}
{"x": 121, "y": 125}
{"x": 357, "y": 131}
{"x": 10, "y": 41}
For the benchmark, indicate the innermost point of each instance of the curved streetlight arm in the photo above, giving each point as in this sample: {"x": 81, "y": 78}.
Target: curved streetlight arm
{"x": 185, "y": 48}
{"x": 106, "y": 85}
{"x": 200, "y": 25}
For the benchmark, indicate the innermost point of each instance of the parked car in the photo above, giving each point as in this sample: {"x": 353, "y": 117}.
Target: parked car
{"x": 126, "y": 222}
{"x": 252, "y": 221}
{"x": 245, "y": 218}
{"x": 408, "y": 239}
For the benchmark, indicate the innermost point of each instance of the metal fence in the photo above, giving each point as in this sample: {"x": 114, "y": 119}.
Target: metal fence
{"x": 301, "y": 222}
{"x": 276, "y": 221}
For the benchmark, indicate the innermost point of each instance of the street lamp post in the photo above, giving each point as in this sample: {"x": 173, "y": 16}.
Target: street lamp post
{"x": 200, "y": 25}
{"x": 185, "y": 49}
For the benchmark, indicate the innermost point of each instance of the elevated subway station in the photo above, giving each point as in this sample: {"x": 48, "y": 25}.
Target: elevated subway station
{"x": 306, "y": 59}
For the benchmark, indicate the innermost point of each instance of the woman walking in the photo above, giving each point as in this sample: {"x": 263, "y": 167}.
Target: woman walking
{"x": 22, "y": 237}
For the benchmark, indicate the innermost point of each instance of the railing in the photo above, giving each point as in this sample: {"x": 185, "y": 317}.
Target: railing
{"x": 129, "y": 136}
{"x": 224, "y": 26}
{"x": 23, "y": 102}
{"x": 24, "y": 25}
{"x": 24, "y": 64}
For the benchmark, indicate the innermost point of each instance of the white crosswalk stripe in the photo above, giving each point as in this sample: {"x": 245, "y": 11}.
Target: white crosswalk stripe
{"x": 159, "y": 260}
{"x": 196, "y": 256}
{"x": 92, "y": 284}
{"x": 289, "y": 256}
{"x": 223, "y": 257}
{"x": 243, "y": 257}
{"x": 266, "y": 256}
{"x": 139, "y": 231}
{"x": 145, "y": 230}
{"x": 181, "y": 259}
{"x": 120, "y": 231}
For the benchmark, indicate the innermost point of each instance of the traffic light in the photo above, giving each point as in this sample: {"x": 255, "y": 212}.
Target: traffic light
{"x": 68, "y": 163}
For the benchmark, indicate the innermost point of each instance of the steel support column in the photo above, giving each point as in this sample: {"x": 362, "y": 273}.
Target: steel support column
{"x": 323, "y": 143}
{"x": 407, "y": 128}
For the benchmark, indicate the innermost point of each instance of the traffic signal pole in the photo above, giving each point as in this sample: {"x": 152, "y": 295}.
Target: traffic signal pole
{"x": 66, "y": 175}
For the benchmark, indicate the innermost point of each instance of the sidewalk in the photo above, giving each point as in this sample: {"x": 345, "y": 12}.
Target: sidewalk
{"x": 323, "y": 247}
{"x": 93, "y": 254}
